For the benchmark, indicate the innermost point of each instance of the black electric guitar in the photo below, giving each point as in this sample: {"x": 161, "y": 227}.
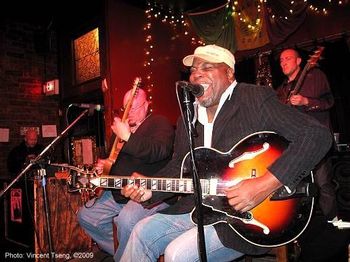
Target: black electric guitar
{"x": 278, "y": 220}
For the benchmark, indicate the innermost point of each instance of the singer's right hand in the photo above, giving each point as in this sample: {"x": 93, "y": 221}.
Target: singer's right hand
{"x": 121, "y": 129}
{"x": 99, "y": 165}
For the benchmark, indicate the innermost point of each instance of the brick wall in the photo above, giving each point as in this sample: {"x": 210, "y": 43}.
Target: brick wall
{"x": 28, "y": 57}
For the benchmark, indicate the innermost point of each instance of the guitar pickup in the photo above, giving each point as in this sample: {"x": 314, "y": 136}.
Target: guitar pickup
{"x": 303, "y": 189}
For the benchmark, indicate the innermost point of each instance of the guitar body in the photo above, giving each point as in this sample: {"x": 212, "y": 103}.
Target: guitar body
{"x": 278, "y": 220}
{"x": 274, "y": 222}
{"x": 107, "y": 166}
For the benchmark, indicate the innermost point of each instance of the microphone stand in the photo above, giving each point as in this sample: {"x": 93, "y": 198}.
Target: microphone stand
{"x": 196, "y": 180}
{"x": 39, "y": 161}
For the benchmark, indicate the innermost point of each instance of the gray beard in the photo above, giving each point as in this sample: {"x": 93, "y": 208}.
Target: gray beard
{"x": 207, "y": 103}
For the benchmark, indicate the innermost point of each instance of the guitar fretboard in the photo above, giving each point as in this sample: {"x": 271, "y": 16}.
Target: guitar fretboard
{"x": 175, "y": 185}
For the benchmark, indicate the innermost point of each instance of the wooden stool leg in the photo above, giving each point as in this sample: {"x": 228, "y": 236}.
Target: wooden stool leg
{"x": 281, "y": 253}
{"x": 248, "y": 258}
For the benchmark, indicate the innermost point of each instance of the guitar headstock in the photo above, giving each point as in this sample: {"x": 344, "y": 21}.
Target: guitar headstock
{"x": 312, "y": 61}
{"x": 137, "y": 82}
{"x": 135, "y": 87}
{"x": 78, "y": 179}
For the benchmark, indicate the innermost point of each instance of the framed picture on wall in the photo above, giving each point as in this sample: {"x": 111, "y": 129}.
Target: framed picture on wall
{"x": 84, "y": 151}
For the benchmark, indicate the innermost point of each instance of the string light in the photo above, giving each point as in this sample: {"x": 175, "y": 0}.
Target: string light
{"x": 180, "y": 28}
{"x": 319, "y": 8}
{"x": 242, "y": 16}
{"x": 148, "y": 54}
{"x": 235, "y": 9}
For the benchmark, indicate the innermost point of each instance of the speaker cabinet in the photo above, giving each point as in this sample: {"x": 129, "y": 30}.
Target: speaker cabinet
{"x": 341, "y": 177}
{"x": 18, "y": 222}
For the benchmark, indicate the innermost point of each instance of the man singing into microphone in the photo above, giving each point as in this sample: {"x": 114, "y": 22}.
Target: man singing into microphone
{"x": 227, "y": 113}
{"x": 147, "y": 148}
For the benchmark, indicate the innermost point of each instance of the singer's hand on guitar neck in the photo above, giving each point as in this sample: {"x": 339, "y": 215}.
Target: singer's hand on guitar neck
{"x": 134, "y": 192}
{"x": 120, "y": 129}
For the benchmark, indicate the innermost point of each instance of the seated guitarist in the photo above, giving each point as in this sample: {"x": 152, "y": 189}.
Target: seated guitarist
{"x": 227, "y": 112}
{"x": 147, "y": 148}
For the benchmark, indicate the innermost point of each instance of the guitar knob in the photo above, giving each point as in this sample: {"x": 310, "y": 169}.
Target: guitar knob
{"x": 253, "y": 173}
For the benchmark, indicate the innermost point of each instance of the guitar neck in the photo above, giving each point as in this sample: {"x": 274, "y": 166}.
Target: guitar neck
{"x": 300, "y": 80}
{"x": 310, "y": 64}
{"x": 118, "y": 143}
{"x": 173, "y": 185}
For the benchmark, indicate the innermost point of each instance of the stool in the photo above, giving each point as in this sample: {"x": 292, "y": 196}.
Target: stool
{"x": 281, "y": 254}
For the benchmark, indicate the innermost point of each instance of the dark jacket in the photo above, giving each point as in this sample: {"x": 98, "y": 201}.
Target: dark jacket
{"x": 17, "y": 157}
{"x": 148, "y": 150}
{"x": 251, "y": 109}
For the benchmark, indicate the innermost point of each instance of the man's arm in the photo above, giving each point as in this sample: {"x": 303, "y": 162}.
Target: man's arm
{"x": 316, "y": 94}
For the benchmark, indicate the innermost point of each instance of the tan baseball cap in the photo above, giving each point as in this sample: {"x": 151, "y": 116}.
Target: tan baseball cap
{"x": 211, "y": 53}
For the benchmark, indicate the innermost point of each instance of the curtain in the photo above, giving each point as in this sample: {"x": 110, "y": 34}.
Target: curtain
{"x": 215, "y": 26}
{"x": 219, "y": 26}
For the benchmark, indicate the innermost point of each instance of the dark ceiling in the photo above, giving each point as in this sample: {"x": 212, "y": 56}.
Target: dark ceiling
{"x": 54, "y": 12}
{"x": 181, "y": 5}
{"x": 48, "y": 13}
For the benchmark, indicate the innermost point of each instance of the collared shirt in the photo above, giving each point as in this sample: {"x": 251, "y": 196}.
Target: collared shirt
{"x": 201, "y": 112}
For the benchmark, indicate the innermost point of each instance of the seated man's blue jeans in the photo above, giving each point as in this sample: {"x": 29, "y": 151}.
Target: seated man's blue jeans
{"x": 175, "y": 236}
{"x": 97, "y": 216}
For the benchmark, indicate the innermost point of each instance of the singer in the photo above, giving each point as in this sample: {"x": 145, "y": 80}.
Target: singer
{"x": 227, "y": 113}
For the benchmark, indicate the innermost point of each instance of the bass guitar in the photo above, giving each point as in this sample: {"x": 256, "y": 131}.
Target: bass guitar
{"x": 278, "y": 220}
{"x": 311, "y": 62}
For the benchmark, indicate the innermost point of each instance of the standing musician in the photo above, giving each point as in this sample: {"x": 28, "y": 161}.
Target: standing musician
{"x": 227, "y": 112}
{"x": 314, "y": 99}
{"x": 24, "y": 152}
{"x": 148, "y": 144}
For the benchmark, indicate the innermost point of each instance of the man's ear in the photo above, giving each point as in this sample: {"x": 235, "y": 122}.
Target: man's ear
{"x": 298, "y": 61}
{"x": 230, "y": 74}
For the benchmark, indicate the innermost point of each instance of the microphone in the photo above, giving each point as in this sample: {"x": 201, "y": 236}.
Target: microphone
{"x": 96, "y": 107}
{"x": 196, "y": 89}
